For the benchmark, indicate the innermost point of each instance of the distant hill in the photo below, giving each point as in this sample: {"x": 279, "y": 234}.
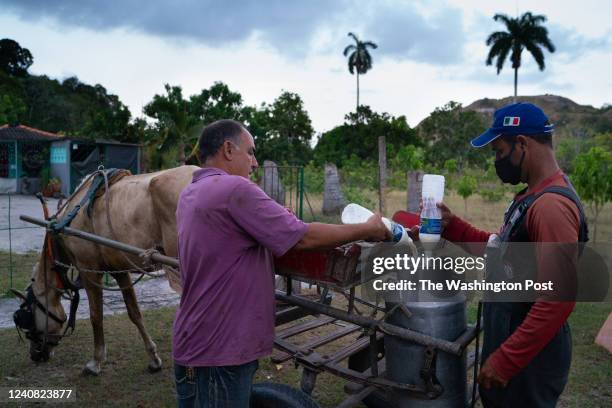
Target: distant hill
{"x": 570, "y": 119}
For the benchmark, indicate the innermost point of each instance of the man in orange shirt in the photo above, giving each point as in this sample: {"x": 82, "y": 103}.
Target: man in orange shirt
{"x": 527, "y": 346}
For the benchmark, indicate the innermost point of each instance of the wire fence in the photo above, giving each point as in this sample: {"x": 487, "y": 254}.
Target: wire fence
{"x": 19, "y": 241}
{"x": 284, "y": 184}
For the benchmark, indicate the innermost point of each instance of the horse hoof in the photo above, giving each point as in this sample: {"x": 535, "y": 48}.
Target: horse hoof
{"x": 92, "y": 368}
{"x": 155, "y": 366}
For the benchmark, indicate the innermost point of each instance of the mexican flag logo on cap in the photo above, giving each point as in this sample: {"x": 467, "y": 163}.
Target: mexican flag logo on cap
{"x": 512, "y": 120}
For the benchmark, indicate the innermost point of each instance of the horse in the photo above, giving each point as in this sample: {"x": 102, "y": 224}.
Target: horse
{"x": 138, "y": 210}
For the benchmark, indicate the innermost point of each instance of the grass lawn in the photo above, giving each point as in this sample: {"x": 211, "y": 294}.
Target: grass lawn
{"x": 21, "y": 270}
{"x": 126, "y": 382}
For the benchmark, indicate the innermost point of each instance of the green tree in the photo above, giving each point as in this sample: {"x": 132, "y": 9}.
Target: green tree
{"x": 446, "y": 134}
{"x": 175, "y": 125}
{"x": 70, "y": 107}
{"x": 522, "y": 33}
{"x": 73, "y": 108}
{"x": 137, "y": 131}
{"x": 450, "y": 166}
{"x": 407, "y": 158}
{"x": 105, "y": 116}
{"x": 288, "y": 130}
{"x": 11, "y": 109}
{"x": 466, "y": 187}
{"x": 359, "y": 136}
{"x": 215, "y": 103}
{"x": 257, "y": 119}
{"x": 593, "y": 180}
{"x": 14, "y": 59}
{"x": 570, "y": 147}
{"x": 401, "y": 161}
{"x": 603, "y": 140}
{"x": 359, "y": 58}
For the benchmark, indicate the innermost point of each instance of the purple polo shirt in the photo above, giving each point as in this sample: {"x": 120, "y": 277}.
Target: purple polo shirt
{"x": 228, "y": 231}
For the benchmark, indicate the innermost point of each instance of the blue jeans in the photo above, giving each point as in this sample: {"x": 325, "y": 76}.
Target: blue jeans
{"x": 214, "y": 387}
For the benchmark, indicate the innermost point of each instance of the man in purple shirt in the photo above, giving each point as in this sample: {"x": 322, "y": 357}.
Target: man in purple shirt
{"x": 229, "y": 230}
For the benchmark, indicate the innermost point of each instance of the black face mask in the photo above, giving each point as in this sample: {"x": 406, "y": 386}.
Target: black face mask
{"x": 508, "y": 172}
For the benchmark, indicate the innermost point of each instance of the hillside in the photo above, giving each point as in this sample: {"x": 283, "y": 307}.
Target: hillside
{"x": 570, "y": 119}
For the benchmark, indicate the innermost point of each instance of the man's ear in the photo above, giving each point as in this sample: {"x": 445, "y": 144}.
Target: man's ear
{"x": 522, "y": 141}
{"x": 228, "y": 150}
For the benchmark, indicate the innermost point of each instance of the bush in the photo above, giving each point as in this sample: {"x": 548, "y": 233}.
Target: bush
{"x": 492, "y": 194}
{"x": 359, "y": 196}
{"x": 314, "y": 179}
{"x": 359, "y": 173}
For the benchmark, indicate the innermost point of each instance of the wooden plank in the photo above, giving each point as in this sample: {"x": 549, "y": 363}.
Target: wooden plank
{"x": 317, "y": 343}
{"x": 302, "y": 327}
{"x": 290, "y": 314}
{"x": 357, "y": 346}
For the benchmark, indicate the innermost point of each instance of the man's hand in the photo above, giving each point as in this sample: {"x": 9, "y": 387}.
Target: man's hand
{"x": 488, "y": 377}
{"x": 447, "y": 214}
{"x": 413, "y": 232}
{"x": 376, "y": 229}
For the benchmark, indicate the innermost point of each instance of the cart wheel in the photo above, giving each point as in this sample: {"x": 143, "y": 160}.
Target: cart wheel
{"x": 274, "y": 395}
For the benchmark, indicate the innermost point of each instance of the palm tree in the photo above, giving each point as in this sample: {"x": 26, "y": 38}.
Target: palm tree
{"x": 360, "y": 59}
{"x": 524, "y": 32}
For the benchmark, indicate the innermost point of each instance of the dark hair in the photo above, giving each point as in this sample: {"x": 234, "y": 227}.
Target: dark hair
{"x": 214, "y": 135}
{"x": 542, "y": 138}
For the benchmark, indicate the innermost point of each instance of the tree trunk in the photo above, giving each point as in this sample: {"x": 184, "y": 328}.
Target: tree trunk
{"x": 515, "y": 83}
{"x": 357, "y": 110}
{"x": 181, "y": 155}
{"x": 382, "y": 173}
{"x": 465, "y": 206}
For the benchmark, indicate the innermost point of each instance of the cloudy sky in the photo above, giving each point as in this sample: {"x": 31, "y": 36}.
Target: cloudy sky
{"x": 430, "y": 52}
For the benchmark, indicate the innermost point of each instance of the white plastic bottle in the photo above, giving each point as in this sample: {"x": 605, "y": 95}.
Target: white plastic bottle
{"x": 356, "y": 214}
{"x": 431, "y": 216}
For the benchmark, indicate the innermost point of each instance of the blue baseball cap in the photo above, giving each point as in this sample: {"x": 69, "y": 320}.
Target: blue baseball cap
{"x": 515, "y": 119}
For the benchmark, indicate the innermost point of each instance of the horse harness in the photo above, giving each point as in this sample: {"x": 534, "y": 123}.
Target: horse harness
{"x": 55, "y": 252}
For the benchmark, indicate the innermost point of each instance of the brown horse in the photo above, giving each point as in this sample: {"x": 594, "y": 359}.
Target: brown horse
{"x": 142, "y": 210}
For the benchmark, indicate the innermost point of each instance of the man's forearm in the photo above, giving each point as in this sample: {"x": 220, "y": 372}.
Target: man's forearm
{"x": 462, "y": 233}
{"x": 324, "y": 236}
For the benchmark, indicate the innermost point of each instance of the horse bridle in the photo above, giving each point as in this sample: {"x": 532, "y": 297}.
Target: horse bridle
{"x": 24, "y": 317}
{"x": 25, "y": 322}
{"x": 54, "y": 251}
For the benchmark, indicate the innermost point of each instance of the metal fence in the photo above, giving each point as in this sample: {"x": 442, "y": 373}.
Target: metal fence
{"x": 284, "y": 184}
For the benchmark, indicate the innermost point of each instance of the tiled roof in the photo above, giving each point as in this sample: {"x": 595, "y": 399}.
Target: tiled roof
{"x": 25, "y": 133}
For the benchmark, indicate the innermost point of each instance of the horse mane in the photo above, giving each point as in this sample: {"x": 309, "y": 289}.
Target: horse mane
{"x": 84, "y": 179}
